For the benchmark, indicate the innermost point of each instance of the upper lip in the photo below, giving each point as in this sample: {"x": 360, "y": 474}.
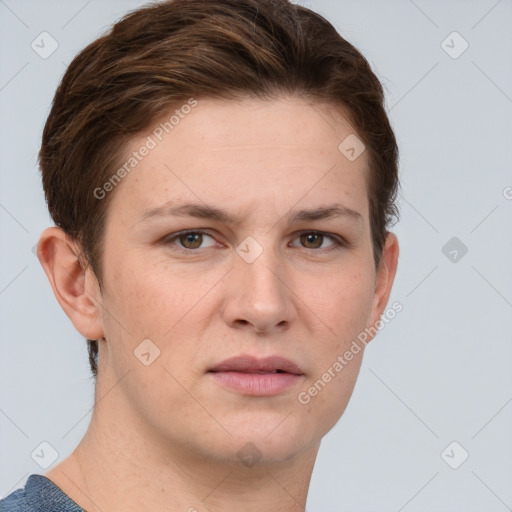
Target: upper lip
{"x": 251, "y": 364}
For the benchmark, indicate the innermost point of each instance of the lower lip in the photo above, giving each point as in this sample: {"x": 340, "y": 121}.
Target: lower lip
{"x": 257, "y": 384}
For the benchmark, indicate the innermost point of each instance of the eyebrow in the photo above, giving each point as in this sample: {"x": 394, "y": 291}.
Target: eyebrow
{"x": 203, "y": 211}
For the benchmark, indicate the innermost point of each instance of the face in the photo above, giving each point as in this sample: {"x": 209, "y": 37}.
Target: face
{"x": 244, "y": 232}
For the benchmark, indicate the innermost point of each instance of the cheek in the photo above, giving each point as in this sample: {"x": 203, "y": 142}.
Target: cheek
{"x": 146, "y": 303}
{"x": 324, "y": 398}
{"x": 156, "y": 300}
{"x": 342, "y": 303}
{"x": 343, "y": 307}
{"x": 151, "y": 301}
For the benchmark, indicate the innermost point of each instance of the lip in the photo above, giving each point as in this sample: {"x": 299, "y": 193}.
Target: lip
{"x": 253, "y": 376}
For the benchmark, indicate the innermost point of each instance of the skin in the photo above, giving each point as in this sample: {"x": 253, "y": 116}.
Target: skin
{"x": 166, "y": 436}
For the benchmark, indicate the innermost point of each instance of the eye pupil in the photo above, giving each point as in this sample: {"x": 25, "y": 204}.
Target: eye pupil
{"x": 312, "y": 238}
{"x": 191, "y": 240}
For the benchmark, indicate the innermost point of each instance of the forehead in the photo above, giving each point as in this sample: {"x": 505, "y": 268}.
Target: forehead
{"x": 249, "y": 152}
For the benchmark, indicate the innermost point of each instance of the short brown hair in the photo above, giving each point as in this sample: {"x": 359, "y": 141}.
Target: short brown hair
{"x": 162, "y": 54}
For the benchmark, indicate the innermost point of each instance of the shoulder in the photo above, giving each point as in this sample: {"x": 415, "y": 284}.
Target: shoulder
{"x": 39, "y": 495}
{"x": 19, "y": 500}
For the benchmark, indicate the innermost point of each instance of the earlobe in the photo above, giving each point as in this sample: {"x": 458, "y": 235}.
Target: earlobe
{"x": 75, "y": 286}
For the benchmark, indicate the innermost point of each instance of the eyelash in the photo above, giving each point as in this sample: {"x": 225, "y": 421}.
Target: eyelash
{"x": 339, "y": 242}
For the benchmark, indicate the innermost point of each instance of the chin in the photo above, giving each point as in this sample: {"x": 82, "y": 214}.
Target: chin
{"x": 262, "y": 442}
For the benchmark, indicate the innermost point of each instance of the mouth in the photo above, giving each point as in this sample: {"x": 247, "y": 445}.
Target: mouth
{"x": 251, "y": 376}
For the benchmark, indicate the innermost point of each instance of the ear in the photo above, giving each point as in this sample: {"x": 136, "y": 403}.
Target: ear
{"x": 75, "y": 286}
{"x": 385, "y": 277}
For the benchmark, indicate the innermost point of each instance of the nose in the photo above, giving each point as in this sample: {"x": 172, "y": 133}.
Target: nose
{"x": 259, "y": 296}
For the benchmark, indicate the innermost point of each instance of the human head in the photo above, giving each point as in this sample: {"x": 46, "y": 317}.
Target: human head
{"x": 159, "y": 57}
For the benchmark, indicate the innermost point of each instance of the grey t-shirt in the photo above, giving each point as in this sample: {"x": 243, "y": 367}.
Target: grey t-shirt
{"x": 40, "y": 494}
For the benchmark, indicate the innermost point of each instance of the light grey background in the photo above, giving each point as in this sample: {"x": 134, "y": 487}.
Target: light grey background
{"x": 439, "y": 372}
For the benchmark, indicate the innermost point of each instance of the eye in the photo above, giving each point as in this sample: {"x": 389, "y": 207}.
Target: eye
{"x": 190, "y": 240}
{"x": 194, "y": 240}
{"x": 316, "y": 239}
